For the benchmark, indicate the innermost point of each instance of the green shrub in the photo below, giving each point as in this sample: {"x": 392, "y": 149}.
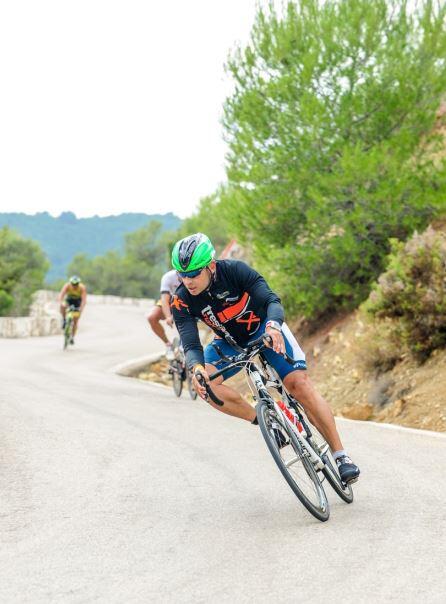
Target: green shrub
{"x": 22, "y": 270}
{"x": 379, "y": 347}
{"x": 412, "y": 292}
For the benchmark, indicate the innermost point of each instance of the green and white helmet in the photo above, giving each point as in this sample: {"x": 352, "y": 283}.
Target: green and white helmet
{"x": 192, "y": 253}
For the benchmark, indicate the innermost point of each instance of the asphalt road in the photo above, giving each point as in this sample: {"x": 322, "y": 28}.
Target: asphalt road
{"x": 112, "y": 490}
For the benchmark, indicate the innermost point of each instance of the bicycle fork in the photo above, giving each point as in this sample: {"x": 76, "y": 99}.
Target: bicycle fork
{"x": 299, "y": 433}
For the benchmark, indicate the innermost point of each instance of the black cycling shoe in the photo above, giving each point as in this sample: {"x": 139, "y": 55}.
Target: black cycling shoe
{"x": 348, "y": 471}
{"x": 279, "y": 436}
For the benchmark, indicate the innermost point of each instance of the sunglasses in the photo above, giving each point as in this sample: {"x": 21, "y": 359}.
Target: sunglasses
{"x": 191, "y": 274}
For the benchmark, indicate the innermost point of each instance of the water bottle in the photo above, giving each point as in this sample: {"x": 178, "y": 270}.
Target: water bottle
{"x": 291, "y": 415}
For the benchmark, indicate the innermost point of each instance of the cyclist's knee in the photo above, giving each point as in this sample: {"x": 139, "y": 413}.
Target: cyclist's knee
{"x": 297, "y": 380}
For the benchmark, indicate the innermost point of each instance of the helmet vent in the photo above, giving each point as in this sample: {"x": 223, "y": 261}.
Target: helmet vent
{"x": 187, "y": 249}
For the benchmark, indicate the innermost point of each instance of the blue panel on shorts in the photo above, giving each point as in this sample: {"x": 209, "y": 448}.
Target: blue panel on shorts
{"x": 277, "y": 361}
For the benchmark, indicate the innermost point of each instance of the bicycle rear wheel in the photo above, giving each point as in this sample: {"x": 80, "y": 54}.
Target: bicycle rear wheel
{"x": 330, "y": 471}
{"x": 294, "y": 463}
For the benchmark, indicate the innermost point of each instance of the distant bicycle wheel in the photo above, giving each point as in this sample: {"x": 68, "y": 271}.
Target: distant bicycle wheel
{"x": 67, "y": 333}
{"x": 177, "y": 377}
{"x": 176, "y": 346}
{"x": 190, "y": 386}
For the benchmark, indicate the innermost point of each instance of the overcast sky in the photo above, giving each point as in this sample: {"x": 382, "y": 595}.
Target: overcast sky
{"x": 114, "y": 106}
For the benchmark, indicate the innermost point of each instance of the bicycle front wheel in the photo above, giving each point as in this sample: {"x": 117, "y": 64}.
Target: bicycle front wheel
{"x": 293, "y": 462}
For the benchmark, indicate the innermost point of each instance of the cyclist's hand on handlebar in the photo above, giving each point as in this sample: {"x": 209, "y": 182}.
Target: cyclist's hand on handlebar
{"x": 198, "y": 385}
{"x": 278, "y": 343}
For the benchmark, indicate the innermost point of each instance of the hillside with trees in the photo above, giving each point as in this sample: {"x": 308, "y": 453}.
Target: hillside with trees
{"x": 63, "y": 237}
{"x": 135, "y": 272}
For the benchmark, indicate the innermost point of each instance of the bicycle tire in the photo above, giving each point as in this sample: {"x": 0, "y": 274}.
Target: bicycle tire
{"x": 67, "y": 331}
{"x": 177, "y": 377}
{"x": 190, "y": 386}
{"x": 321, "y": 510}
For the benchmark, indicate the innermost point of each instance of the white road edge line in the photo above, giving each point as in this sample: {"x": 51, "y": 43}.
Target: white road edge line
{"x": 393, "y": 427}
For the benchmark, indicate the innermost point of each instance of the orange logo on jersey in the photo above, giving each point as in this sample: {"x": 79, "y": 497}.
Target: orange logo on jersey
{"x": 231, "y": 312}
{"x": 251, "y": 318}
{"x": 178, "y": 303}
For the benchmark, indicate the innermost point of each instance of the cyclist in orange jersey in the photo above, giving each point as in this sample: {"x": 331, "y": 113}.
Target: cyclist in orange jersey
{"x": 73, "y": 293}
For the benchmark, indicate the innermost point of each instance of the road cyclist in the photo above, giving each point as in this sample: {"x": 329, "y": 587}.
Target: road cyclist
{"x": 238, "y": 305}
{"x": 179, "y": 370}
{"x": 162, "y": 312}
{"x": 73, "y": 296}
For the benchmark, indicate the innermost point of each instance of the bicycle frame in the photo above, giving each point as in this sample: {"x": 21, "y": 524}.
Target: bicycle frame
{"x": 291, "y": 415}
{"x": 257, "y": 379}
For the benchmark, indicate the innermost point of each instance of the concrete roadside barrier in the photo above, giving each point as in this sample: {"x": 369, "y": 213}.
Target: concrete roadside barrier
{"x": 132, "y": 367}
{"x": 44, "y": 317}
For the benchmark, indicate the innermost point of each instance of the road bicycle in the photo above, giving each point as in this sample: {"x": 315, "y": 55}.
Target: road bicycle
{"x": 303, "y": 456}
{"x": 72, "y": 312}
{"x": 179, "y": 371}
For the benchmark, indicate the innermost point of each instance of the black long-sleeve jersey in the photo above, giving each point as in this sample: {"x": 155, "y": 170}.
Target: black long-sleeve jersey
{"x": 236, "y": 303}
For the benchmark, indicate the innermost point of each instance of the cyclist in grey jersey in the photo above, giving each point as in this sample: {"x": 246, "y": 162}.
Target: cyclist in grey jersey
{"x": 161, "y": 311}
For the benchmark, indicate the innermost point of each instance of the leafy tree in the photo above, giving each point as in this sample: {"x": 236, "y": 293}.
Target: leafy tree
{"x": 22, "y": 270}
{"x": 135, "y": 273}
{"x": 332, "y": 141}
{"x": 210, "y": 218}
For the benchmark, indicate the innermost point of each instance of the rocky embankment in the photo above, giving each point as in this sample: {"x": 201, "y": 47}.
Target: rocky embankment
{"x": 341, "y": 362}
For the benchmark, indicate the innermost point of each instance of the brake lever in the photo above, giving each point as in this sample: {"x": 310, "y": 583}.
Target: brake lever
{"x": 286, "y": 356}
{"x": 209, "y": 392}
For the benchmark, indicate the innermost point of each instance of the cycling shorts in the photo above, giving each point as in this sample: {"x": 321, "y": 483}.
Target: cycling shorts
{"x": 69, "y": 301}
{"x": 277, "y": 361}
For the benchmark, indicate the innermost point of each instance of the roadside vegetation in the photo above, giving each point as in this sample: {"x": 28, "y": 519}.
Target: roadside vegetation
{"x": 336, "y": 130}
{"x": 331, "y": 136}
{"x": 22, "y": 271}
{"x": 136, "y": 272}
{"x": 409, "y": 298}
